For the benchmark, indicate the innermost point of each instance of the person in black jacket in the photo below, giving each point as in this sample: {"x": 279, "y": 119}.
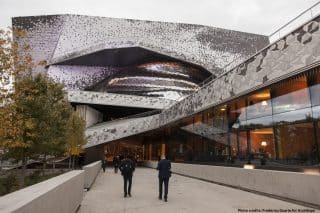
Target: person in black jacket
{"x": 104, "y": 163}
{"x": 116, "y": 163}
{"x": 164, "y": 167}
{"x": 127, "y": 168}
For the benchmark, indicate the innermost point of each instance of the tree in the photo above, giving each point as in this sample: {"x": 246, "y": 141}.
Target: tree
{"x": 76, "y": 137}
{"x": 12, "y": 63}
{"x": 34, "y": 115}
{"x": 35, "y": 122}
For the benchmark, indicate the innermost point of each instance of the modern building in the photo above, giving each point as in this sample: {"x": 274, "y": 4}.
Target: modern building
{"x": 198, "y": 94}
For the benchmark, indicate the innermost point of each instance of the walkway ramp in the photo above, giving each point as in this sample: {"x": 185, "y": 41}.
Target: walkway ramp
{"x": 185, "y": 195}
{"x": 113, "y": 130}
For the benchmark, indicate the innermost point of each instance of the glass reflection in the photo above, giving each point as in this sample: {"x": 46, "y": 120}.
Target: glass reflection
{"x": 277, "y": 124}
{"x": 291, "y": 95}
{"x": 243, "y": 146}
{"x": 259, "y": 122}
{"x": 259, "y": 105}
{"x": 295, "y": 142}
{"x": 314, "y": 79}
{"x": 316, "y": 112}
{"x": 262, "y": 143}
{"x": 220, "y": 120}
{"x": 233, "y": 144}
{"x": 292, "y": 116}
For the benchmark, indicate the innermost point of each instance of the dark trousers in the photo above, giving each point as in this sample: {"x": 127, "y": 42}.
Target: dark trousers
{"x": 115, "y": 169}
{"x": 126, "y": 179}
{"x": 165, "y": 182}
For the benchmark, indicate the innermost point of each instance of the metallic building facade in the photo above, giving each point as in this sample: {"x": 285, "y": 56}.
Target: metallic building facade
{"x": 197, "y": 93}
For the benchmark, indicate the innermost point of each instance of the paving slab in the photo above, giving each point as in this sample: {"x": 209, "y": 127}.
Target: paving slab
{"x": 186, "y": 195}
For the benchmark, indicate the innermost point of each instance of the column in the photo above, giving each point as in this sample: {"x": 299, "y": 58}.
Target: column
{"x": 150, "y": 151}
{"x": 163, "y": 149}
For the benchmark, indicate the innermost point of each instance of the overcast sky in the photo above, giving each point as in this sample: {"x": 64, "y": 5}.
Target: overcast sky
{"x": 255, "y": 16}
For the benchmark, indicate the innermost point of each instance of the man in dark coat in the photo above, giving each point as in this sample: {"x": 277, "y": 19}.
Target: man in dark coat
{"x": 104, "y": 163}
{"x": 127, "y": 168}
{"x": 164, "y": 167}
{"x": 116, "y": 163}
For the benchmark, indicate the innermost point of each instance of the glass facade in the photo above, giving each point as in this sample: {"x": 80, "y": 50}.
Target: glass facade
{"x": 279, "y": 124}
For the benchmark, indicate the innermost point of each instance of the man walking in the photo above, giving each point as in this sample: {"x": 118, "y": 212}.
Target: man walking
{"x": 104, "y": 163}
{"x": 164, "y": 167}
{"x": 127, "y": 168}
{"x": 116, "y": 163}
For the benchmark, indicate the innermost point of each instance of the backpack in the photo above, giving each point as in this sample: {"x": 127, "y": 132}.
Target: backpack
{"x": 127, "y": 167}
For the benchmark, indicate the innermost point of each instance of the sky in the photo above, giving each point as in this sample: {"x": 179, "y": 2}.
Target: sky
{"x": 254, "y": 16}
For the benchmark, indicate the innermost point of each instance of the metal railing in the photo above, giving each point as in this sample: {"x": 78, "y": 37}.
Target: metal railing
{"x": 296, "y": 22}
{"x": 235, "y": 62}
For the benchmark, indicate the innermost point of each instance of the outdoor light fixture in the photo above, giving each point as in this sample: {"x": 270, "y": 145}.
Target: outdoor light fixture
{"x": 248, "y": 166}
{"x": 263, "y": 143}
{"x": 264, "y": 103}
{"x": 222, "y": 109}
{"x": 311, "y": 171}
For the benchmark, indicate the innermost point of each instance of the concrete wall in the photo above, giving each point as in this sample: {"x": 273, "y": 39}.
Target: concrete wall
{"x": 292, "y": 185}
{"x": 90, "y": 115}
{"x": 61, "y": 194}
{"x": 90, "y": 173}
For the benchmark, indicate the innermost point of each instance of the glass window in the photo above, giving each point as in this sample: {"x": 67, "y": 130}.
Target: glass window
{"x": 220, "y": 119}
{"x": 198, "y": 118}
{"x": 237, "y": 113}
{"x": 315, "y": 152}
{"x": 259, "y": 122}
{"x": 238, "y": 109}
{"x": 315, "y": 87}
{"x": 243, "y": 146}
{"x": 233, "y": 143}
{"x": 316, "y": 112}
{"x": 295, "y": 142}
{"x": 217, "y": 152}
{"x": 208, "y": 116}
{"x": 293, "y": 116}
{"x": 259, "y": 104}
{"x": 290, "y": 95}
{"x": 262, "y": 143}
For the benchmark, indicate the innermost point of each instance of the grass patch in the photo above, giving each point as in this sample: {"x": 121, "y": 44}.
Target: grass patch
{"x": 10, "y": 183}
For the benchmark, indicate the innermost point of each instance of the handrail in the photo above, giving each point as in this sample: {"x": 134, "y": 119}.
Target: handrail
{"x": 212, "y": 77}
{"x": 310, "y": 9}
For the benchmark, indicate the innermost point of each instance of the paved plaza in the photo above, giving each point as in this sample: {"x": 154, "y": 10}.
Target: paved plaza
{"x": 185, "y": 195}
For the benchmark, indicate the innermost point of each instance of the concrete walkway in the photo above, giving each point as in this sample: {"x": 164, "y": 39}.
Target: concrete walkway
{"x": 185, "y": 195}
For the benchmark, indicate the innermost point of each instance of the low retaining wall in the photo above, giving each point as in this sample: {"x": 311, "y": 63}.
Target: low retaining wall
{"x": 61, "y": 194}
{"x": 90, "y": 173}
{"x": 292, "y": 185}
